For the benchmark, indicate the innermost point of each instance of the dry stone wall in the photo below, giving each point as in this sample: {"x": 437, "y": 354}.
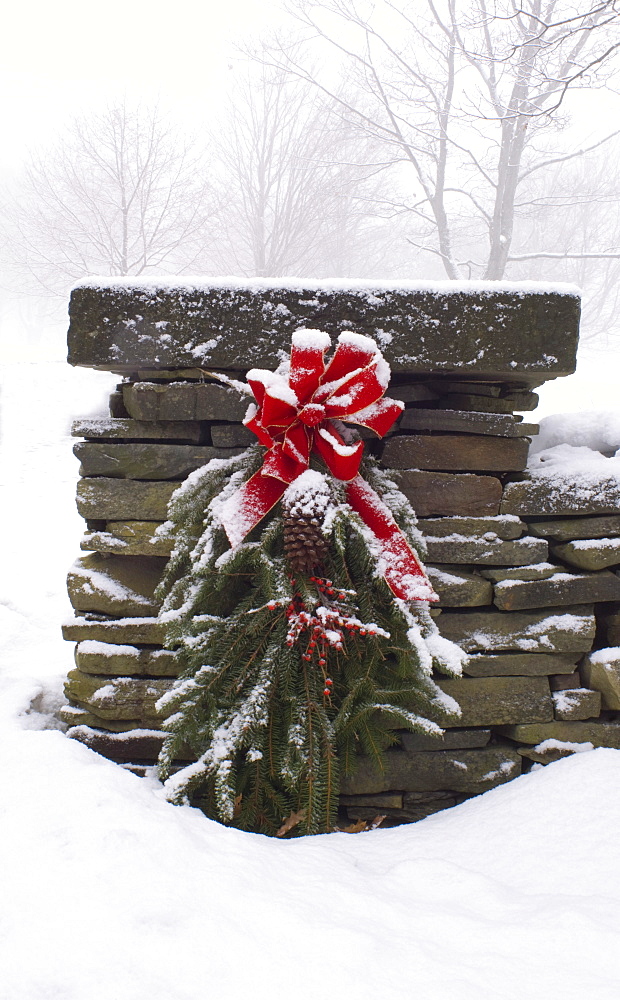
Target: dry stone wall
{"x": 527, "y": 574}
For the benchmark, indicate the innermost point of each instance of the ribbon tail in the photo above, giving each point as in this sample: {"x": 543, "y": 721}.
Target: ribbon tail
{"x": 249, "y": 504}
{"x": 401, "y": 568}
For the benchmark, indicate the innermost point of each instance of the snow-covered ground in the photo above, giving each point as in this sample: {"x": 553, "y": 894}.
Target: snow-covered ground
{"x": 107, "y": 892}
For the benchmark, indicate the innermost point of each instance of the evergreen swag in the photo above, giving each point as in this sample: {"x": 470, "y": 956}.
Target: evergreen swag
{"x": 297, "y": 655}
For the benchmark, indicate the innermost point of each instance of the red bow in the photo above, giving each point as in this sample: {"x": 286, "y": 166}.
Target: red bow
{"x": 294, "y": 417}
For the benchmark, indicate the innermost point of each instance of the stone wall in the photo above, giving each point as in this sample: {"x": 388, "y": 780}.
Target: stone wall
{"x": 519, "y": 590}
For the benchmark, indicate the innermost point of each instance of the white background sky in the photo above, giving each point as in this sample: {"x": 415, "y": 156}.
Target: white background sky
{"x": 59, "y": 58}
{"x": 65, "y": 57}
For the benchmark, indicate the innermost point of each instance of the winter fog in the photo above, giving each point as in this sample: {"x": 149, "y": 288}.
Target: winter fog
{"x": 318, "y": 139}
{"x": 395, "y": 139}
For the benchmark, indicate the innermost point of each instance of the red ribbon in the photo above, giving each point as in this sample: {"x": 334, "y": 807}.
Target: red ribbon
{"x": 294, "y": 416}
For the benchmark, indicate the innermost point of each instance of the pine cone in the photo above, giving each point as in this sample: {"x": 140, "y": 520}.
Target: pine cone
{"x": 305, "y": 545}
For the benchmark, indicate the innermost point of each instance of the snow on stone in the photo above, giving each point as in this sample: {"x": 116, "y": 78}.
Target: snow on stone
{"x": 95, "y": 647}
{"x": 595, "y": 543}
{"x": 605, "y": 656}
{"x": 97, "y": 580}
{"x": 552, "y": 744}
{"x": 450, "y": 656}
{"x": 364, "y": 287}
{"x": 554, "y": 578}
{"x": 579, "y": 468}
{"x": 598, "y": 430}
{"x": 565, "y": 700}
{"x": 442, "y": 576}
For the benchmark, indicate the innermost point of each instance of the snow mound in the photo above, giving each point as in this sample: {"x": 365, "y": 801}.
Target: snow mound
{"x": 158, "y": 902}
{"x": 598, "y": 430}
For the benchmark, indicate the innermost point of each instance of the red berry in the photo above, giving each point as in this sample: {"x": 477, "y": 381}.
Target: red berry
{"x": 326, "y": 693}
{"x": 328, "y": 682}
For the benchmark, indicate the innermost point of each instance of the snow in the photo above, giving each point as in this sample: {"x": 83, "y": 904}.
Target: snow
{"x": 578, "y": 468}
{"x": 95, "y": 647}
{"x": 358, "y": 340}
{"x": 567, "y": 699}
{"x": 598, "y": 430}
{"x": 584, "y": 544}
{"x": 552, "y": 744}
{"x": 366, "y": 287}
{"x": 133, "y": 898}
{"x": 108, "y": 891}
{"x": 611, "y": 654}
{"x": 311, "y": 340}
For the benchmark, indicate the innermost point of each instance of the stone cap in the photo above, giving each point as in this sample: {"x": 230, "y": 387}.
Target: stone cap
{"x": 522, "y": 332}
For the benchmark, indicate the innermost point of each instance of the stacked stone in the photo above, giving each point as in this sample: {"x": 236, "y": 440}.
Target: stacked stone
{"x": 503, "y": 549}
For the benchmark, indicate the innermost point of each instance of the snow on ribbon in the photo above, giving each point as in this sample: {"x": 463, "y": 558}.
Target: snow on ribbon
{"x": 294, "y": 415}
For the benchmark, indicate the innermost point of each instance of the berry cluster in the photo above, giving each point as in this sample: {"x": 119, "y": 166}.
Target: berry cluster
{"x": 325, "y": 627}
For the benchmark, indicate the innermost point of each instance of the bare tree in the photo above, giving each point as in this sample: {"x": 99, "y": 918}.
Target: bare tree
{"x": 575, "y": 220}
{"x": 123, "y": 192}
{"x": 298, "y": 190}
{"x": 464, "y": 94}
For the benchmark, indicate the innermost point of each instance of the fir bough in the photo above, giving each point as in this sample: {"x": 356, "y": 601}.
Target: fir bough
{"x": 287, "y": 679}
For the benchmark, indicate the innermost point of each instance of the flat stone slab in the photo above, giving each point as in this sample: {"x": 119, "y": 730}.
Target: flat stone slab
{"x": 437, "y": 493}
{"x": 115, "y": 585}
{"x": 139, "y": 745}
{"x": 450, "y": 387}
{"x": 539, "y": 496}
{"x": 520, "y": 664}
{"x": 183, "y": 401}
{"x": 457, "y": 588}
{"x": 570, "y": 528}
{"x": 464, "y": 771}
{"x": 118, "y": 698}
{"x": 505, "y": 526}
{"x": 113, "y": 429}
{"x": 113, "y": 660}
{"x": 231, "y": 436}
{"x": 141, "y": 460}
{"x": 146, "y": 631}
{"x": 414, "y": 806}
{"x": 464, "y": 422}
{"x": 73, "y": 715}
{"x": 452, "y": 739}
{"x": 489, "y": 551}
{"x": 599, "y": 734}
{"x": 590, "y": 553}
{"x": 455, "y": 452}
{"x": 576, "y": 703}
{"x": 105, "y": 499}
{"x": 376, "y": 803}
{"x": 554, "y": 630}
{"x": 469, "y": 402}
{"x": 496, "y": 701}
{"x": 128, "y": 538}
{"x": 561, "y": 588}
{"x": 601, "y": 671}
{"x": 412, "y": 392}
{"x": 532, "y": 571}
{"x": 522, "y": 401}
{"x": 492, "y": 330}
